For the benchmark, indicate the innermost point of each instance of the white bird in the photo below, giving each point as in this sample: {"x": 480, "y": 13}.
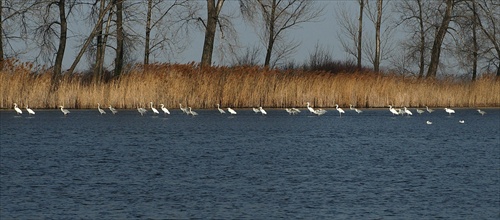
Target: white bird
{"x": 64, "y": 111}
{"x": 255, "y": 110}
{"x": 230, "y": 110}
{"x": 18, "y": 110}
{"x": 461, "y": 121}
{"x": 310, "y": 108}
{"x": 428, "y": 109}
{"x": 142, "y": 110}
{"x": 319, "y": 111}
{"x": 292, "y": 111}
{"x": 354, "y": 109}
{"x": 407, "y": 111}
{"x": 100, "y": 110}
{"x": 262, "y": 110}
{"x": 449, "y": 111}
{"x": 340, "y": 110}
{"x": 165, "y": 110}
{"x": 30, "y": 111}
{"x": 191, "y": 112}
{"x": 153, "y": 108}
{"x": 429, "y": 122}
{"x": 184, "y": 110}
{"x": 481, "y": 112}
{"x": 393, "y": 111}
{"x": 220, "y": 110}
{"x": 420, "y": 111}
{"x": 113, "y": 110}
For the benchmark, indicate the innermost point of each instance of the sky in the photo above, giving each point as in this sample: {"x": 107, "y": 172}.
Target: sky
{"x": 323, "y": 32}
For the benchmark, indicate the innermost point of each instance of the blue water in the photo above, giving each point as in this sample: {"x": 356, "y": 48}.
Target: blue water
{"x": 359, "y": 166}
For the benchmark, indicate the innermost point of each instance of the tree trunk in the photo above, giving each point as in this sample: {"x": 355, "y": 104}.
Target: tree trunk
{"x": 421, "y": 51}
{"x": 475, "y": 44}
{"x": 148, "y": 33}
{"x": 101, "y": 46}
{"x": 438, "y": 40}
{"x": 89, "y": 39}
{"x": 1, "y": 36}
{"x": 213, "y": 11}
{"x": 62, "y": 44}
{"x": 119, "y": 38}
{"x": 270, "y": 42}
{"x": 360, "y": 31}
{"x": 376, "y": 63}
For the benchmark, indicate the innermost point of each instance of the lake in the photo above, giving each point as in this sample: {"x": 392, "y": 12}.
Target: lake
{"x": 371, "y": 165}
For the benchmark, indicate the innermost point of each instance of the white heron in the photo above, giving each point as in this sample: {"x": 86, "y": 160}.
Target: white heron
{"x": 18, "y": 110}
{"x": 256, "y": 110}
{"x": 407, "y": 111}
{"x": 449, "y": 111}
{"x": 113, "y": 110}
{"x": 184, "y": 110}
{"x": 30, "y": 111}
{"x": 165, "y": 110}
{"x": 355, "y": 109}
{"x": 155, "y": 111}
{"x": 428, "y": 109}
{"x": 64, "y": 111}
{"x": 99, "y": 109}
{"x": 319, "y": 111}
{"x": 461, "y": 121}
{"x": 340, "y": 110}
{"x": 292, "y": 111}
{"x": 142, "y": 110}
{"x": 220, "y": 110}
{"x": 481, "y": 112}
{"x": 311, "y": 109}
{"x": 191, "y": 112}
{"x": 420, "y": 111}
{"x": 428, "y": 122}
{"x": 230, "y": 110}
{"x": 393, "y": 111}
{"x": 262, "y": 111}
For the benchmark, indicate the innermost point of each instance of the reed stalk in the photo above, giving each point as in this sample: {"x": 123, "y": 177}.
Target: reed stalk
{"x": 239, "y": 87}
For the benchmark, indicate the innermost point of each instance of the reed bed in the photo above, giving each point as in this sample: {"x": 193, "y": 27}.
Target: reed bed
{"x": 239, "y": 87}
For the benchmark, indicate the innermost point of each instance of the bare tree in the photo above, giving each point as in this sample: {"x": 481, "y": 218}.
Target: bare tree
{"x": 442, "y": 29}
{"x": 249, "y": 57}
{"x": 1, "y": 36}
{"x": 169, "y": 22}
{"x": 12, "y": 19}
{"x": 277, "y": 17}
{"x": 467, "y": 48}
{"x": 360, "y": 32}
{"x": 415, "y": 15}
{"x": 213, "y": 12}
{"x": 379, "y": 48}
{"x": 92, "y": 34}
{"x": 350, "y": 34}
{"x": 376, "y": 63}
{"x": 119, "y": 37}
{"x": 488, "y": 20}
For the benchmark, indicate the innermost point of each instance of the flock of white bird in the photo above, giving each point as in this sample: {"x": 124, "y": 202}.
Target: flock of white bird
{"x": 291, "y": 111}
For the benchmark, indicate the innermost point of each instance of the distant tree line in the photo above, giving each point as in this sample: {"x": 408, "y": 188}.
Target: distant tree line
{"x": 467, "y": 30}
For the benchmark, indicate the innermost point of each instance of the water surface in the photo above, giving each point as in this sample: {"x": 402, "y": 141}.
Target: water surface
{"x": 359, "y": 166}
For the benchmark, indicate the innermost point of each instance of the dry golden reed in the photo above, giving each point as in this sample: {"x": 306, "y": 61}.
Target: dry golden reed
{"x": 239, "y": 87}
